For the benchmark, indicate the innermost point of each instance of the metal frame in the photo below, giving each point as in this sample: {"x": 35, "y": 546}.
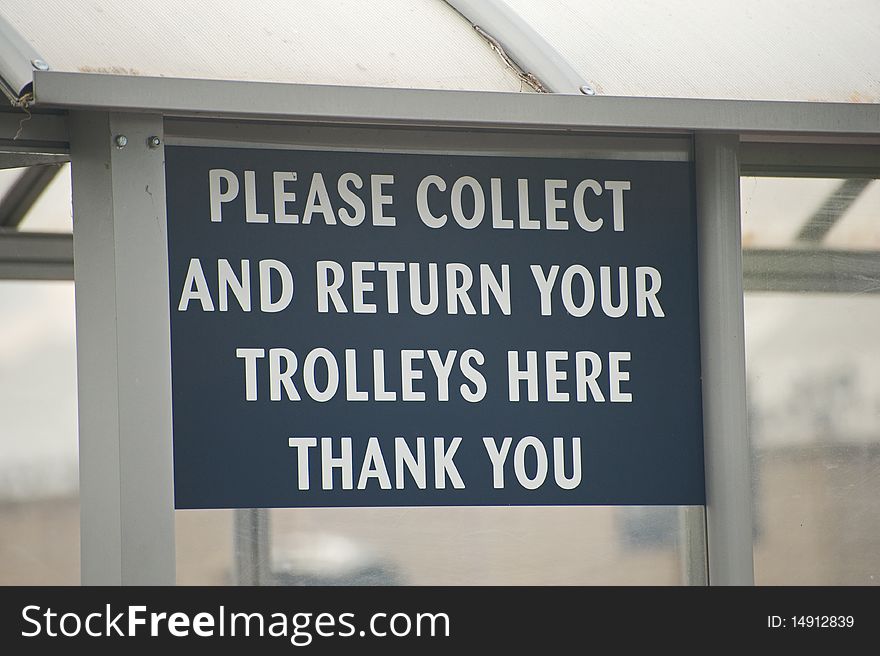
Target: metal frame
{"x": 123, "y": 351}
{"x": 826, "y": 160}
{"x": 725, "y": 421}
{"x": 35, "y": 256}
{"x": 122, "y": 309}
{"x": 39, "y": 256}
{"x": 32, "y": 137}
{"x": 272, "y": 134}
{"x": 811, "y": 270}
{"x": 375, "y": 106}
{"x": 17, "y": 62}
{"x": 518, "y": 40}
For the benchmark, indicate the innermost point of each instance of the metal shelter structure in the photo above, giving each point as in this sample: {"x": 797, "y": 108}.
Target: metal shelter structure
{"x": 736, "y": 88}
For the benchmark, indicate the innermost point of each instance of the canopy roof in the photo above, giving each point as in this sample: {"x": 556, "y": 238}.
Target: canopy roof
{"x": 737, "y": 49}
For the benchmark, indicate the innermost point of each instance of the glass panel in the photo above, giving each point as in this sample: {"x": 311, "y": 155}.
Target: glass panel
{"x": 860, "y": 226}
{"x": 52, "y": 211}
{"x": 8, "y": 178}
{"x": 204, "y": 541}
{"x": 842, "y": 214}
{"x": 775, "y": 209}
{"x": 448, "y": 546}
{"x": 814, "y": 400}
{"x": 39, "y": 506}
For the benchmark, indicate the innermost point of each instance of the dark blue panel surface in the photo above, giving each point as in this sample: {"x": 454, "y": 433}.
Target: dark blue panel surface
{"x": 232, "y": 452}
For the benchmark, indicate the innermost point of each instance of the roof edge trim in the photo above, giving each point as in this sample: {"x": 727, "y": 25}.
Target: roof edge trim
{"x": 536, "y": 57}
{"x": 386, "y": 106}
{"x": 18, "y": 59}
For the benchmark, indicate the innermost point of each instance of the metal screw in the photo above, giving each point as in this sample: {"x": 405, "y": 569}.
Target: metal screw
{"x": 154, "y": 142}
{"x": 39, "y": 64}
{"x": 587, "y": 90}
{"x": 121, "y": 141}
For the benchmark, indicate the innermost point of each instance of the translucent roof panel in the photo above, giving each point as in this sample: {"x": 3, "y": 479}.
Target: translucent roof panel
{"x": 823, "y": 50}
{"x": 396, "y": 43}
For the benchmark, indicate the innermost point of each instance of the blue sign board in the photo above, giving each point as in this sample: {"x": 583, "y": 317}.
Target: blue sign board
{"x": 398, "y": 329}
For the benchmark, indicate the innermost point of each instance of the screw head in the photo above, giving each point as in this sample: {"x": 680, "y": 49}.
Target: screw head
{"x": 154, "y": 142}
{"x": 121, "y": 141}
{"x": 587, "y": 90}
{"x": 39, "y": 64}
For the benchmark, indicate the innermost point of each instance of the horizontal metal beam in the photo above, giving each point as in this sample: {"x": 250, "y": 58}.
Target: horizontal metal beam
{"x": 18, "y": 200}
{"x": 38, "y": 256}
{"x": 810, "y": 160}
{"x": 242, "y": 134}
{"x": 16, "y": 160}
{"x": 379, "y": 106}
{"x": 811, "y": 270}
{"x": 35, "y": 256}
{"x": 32, "y": 132}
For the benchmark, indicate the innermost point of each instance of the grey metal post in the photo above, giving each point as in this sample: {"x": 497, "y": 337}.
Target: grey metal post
{"x": 692, "y": 545}
{"x": 727, "y": 451}
{"x": 123, "y": 350}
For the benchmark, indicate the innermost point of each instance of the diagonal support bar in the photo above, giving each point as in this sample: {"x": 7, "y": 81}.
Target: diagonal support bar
{"x": 832, "y": 209}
